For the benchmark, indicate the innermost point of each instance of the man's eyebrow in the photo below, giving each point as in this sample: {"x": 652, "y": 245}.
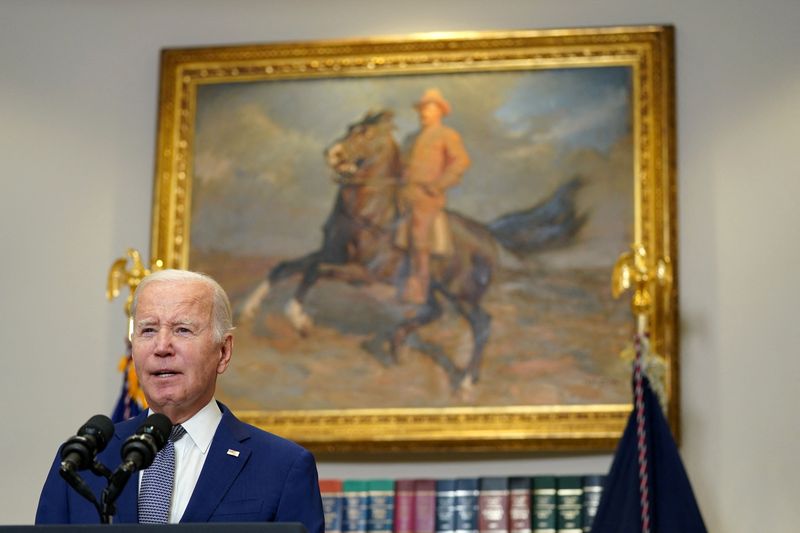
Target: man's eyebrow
{"x": 145, "y": 322}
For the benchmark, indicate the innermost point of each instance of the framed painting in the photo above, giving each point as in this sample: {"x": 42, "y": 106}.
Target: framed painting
{"x": 300, "y": 177}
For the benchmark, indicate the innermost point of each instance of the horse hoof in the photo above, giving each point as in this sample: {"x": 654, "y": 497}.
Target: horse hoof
{"x": 299, "y": 319}
{"x": 253, "y": 301}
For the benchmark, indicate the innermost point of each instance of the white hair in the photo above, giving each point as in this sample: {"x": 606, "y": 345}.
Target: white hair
{"x": 221, "y": 305}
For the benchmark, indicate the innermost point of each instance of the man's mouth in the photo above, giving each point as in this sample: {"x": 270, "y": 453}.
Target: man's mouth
{"x": 165, "y": 373}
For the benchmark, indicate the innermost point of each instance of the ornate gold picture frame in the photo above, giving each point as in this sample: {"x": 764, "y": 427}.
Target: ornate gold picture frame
{"x": 576, "y": 122}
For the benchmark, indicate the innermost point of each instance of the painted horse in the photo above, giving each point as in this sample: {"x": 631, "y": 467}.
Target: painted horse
{"x": 358, "y": 243}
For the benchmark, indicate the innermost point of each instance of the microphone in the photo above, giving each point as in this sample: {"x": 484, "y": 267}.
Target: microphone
{"x": 140, "y": 449}
{"x": 79, "y": 451}
{"x": 138, "y": 452}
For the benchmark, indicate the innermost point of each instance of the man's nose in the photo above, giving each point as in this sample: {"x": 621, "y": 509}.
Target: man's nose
{"x": 163, "y": 342}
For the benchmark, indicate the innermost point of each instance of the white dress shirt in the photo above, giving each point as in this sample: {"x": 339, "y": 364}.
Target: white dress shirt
{"x": 190, "y": 455}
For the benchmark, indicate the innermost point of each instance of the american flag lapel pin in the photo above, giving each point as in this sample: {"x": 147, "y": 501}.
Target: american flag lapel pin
{"x": 234, "y": 453}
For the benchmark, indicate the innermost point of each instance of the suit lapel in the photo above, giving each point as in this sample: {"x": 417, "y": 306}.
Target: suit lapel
{"x": 220, "y": 469}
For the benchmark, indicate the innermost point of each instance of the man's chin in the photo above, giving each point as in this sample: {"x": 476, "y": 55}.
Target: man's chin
{"x": 164, "y": 398}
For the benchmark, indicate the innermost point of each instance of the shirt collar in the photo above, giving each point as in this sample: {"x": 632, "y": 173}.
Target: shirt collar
{"x": 202, "y": 426}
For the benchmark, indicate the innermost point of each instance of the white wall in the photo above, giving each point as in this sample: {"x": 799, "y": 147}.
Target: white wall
{"x": 78, "y": 104}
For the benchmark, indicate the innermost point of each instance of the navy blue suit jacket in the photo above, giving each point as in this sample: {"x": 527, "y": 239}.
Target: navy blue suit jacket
{"x": 272, "y": 479}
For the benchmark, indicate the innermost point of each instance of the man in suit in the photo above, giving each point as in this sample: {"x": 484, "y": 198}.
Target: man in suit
{"x": 224, "y": 470}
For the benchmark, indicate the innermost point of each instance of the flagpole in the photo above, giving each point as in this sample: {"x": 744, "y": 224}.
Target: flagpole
{"x": 633, "y": 271}
{"x": 640, "y": 340}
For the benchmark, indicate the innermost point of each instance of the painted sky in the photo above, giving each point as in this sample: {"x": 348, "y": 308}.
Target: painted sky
{"x": 261, "y": 185}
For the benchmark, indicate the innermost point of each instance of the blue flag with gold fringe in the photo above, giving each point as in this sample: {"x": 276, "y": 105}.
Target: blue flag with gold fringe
{"x": 131, "y": 400}
{"x": 647, "y": 489}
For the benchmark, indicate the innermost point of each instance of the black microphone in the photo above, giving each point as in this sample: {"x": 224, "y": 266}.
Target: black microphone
{"x": 138, "y": 452}
{"x": 140, "y": 449}
{"x": 78, "y": 452}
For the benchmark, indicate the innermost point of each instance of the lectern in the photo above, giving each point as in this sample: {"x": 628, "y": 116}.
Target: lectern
{"x": 217, "y": 527}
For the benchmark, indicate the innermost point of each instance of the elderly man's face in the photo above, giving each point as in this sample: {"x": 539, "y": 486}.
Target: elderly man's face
{"x": 430, "y": 113}
{"x": 176, "y": 357}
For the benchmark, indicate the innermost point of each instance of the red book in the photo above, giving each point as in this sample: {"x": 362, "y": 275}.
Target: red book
{"x": 332, "y": 504}
{"x": 404, "y": 506}
{"x": 425, "y": 506}
{"x": 493, "y": 505}
{"x": 519, "y": 504}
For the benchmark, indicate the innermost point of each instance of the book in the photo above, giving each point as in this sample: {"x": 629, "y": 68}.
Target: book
{"x": 544, "y": 504}
{"x": 380, "y": 505}
{"x": 332, "y": 504}
{"x": 445, "y": 505}
{"x": 354, "y": 515}
{"x": 516, "y": 504}
{"x": 519, "y": 504}
{"x": 466, "y": 505}
{"x": 493, "y": 505}
{"x": 569, "y": 504}
{"x": 424, "y": 506}
{"x": 592, "y": 490}
{"x": 404, "y": 506}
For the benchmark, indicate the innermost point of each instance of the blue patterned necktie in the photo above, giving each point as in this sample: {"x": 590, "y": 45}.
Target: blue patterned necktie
{"x": 155, "y": 494}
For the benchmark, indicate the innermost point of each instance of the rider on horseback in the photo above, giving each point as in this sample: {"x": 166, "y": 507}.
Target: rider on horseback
{"x": 434, "y": 160}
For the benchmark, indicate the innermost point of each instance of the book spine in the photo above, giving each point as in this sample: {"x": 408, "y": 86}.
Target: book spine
{"x": 332, "y": 504}
{"x": 519, "y": 505}
{"x": 354, "y": 493}
{"x": 425, "y": 506}
{"x": 592, "y": 490}
{"x": 493, "y": 505}
{"x": 544, "y": 504}
{"x": 445, "y": 505}
{"x": 404, "y": 506}
{"x": 467, "y": 505}
{"x": 569, "y": 500}
{"x": 380, "y": 505}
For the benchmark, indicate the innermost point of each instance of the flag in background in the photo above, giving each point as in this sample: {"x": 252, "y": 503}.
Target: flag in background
{"x": 647, "y": 489}
{"x": 131, "y": 399}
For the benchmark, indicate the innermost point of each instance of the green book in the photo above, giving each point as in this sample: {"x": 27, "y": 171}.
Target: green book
{"x": 569, "y": 501}
{"x": 354, "y": 492}
{"x": 380, "y": 505}
{"x": 543, "y": 504}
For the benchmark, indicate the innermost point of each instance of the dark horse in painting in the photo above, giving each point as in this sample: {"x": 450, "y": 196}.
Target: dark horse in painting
{"x": 358, "y": 243}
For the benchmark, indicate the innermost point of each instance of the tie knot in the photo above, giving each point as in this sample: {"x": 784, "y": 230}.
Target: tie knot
{"x": 177, "y": 432}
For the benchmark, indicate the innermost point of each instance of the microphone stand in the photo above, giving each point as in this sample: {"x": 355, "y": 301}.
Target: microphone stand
{"x": 116, "y": 482}
{"x": 138, "y": 453}
{"x": 68, "y": 472}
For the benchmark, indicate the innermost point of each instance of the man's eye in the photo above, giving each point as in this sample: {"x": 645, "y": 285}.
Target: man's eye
{"x": 183, "y": 330}
{"x": 147, "y": 331}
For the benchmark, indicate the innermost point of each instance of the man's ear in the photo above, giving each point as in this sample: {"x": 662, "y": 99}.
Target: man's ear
{"x": 225, "y": 353}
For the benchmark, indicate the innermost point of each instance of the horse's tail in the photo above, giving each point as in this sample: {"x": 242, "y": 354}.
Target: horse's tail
{"x": 551, "y": 223}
